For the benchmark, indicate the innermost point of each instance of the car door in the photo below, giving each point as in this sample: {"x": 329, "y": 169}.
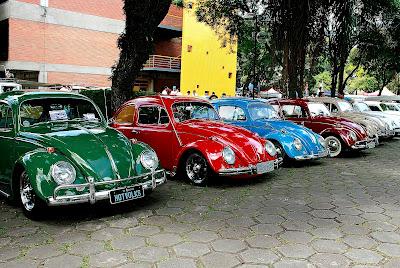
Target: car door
{"x": 7, "y": 145}
{"x": 152, "y": 126}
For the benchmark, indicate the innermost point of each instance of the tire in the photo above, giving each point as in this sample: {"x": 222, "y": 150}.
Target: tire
{"x": 335, "y": 146}
{"x": 32, "y": 206}
{"x": 196, "y": 169}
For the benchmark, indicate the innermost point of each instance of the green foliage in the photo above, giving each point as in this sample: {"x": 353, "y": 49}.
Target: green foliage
{"x": 97, "y": 96}
{"x": 323, "y": 79}
{"x": 178, "y": 3}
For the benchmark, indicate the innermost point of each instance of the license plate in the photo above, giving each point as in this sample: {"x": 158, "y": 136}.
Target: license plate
{"x": 265, "y": 167}
{"x": 123, "y": 195}
{"x": 371, "y": 145}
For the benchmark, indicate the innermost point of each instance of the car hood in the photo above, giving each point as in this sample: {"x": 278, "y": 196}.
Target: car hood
{"x": 363, "y": 120}
{"x": 99, "y": 152}
{"x": 244, "y": 142}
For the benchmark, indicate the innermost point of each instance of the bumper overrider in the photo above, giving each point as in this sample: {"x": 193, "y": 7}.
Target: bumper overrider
{"x": 155, "y": 179}
{"x": 321, "y": 154}
{"x": 259, "y": 169}
{"x": 365, "y": 144}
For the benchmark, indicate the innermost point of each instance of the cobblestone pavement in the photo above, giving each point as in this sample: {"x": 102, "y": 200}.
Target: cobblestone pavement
{"x": 332, "y": 213}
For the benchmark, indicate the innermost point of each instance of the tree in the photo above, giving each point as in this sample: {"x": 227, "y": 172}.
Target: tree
{"x": 350, "y": 25}
{"x": 381, "y": 42}
{"x": 290, "y": 23}
{"x": 135, "y": 44}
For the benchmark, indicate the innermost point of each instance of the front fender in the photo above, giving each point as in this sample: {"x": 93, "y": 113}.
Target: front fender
{"x": 212, "y": 151}
{"x": 342, "y": 133}
{"x": 37, "y": 165}
{"x": 137, "y": 149}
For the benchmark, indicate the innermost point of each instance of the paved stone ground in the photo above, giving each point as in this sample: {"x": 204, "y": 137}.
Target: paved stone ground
{"x": 332, "y": 213}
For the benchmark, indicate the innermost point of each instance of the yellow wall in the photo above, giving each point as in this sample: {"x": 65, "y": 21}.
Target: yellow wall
{"x": 201, "y": 71}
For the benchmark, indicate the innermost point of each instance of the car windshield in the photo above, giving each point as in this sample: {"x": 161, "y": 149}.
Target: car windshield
{"x": 362, "y": 107}
{"x": 184, "y": 111}
{"x": 318, "y": 109}
{"x": 262, "y": 111}
{"x": 345, "y": 106}
{"x": 392, "y": 107}
{"x": 47, "y": 110}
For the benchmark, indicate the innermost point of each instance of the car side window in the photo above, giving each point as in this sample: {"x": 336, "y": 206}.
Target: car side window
{"x": 232, "y": 113}
{"x": 6, "y": 119}
{"x": 375, "y": 108}
{"x": 153, "y": 115}
{"x": 126, "y": 115}
{"x": 334, "y": 108}
{"x": 293, "y": 111}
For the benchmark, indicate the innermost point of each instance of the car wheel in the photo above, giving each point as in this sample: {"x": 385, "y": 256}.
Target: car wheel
{"x": 31, "y": 205}
{"x": 334, "y": 146}
{"x": 196, "y": 169}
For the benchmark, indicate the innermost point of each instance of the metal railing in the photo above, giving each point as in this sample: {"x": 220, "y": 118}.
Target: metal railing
{"x": 163, "y": 62}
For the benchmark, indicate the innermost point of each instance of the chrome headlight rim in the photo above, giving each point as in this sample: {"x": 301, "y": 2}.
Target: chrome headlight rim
{"x": 229, "y": 155}
{"x": 149, "y": 159}
{"x": 69, "y": 170}
{"x": 298, "y": 144}
{"x": 352, "y": 135}
{"x": 270, "y": 148}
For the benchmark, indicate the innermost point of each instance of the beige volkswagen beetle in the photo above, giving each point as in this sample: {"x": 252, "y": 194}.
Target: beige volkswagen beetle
{"x": 341, "y": 108}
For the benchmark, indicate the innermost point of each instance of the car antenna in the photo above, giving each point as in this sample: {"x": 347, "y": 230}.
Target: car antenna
{"x": 172, "y": 121}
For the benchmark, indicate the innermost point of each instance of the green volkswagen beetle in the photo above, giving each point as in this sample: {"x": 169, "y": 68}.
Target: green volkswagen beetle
{"x": 56, "y": 149}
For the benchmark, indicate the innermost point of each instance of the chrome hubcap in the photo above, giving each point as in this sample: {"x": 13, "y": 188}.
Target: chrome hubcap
{"x": 27, "y": 193}
{"x": 333, "y": 146}
{"x": 196, "y": 168}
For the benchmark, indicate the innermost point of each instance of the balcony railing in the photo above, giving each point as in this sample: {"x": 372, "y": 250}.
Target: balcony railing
{"x": 163, "y": 63}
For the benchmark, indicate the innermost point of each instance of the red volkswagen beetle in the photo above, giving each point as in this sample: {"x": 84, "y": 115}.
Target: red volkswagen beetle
{"x": 339, "y": 133}
{"x": 189, "y": 138}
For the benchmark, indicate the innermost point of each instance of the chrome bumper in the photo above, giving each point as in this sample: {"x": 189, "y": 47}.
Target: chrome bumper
{"x": 250, "y": 170}
{"x": 312, "y": 156}
{"x": 157, "y": 178}
{"x": 365, "y": 144}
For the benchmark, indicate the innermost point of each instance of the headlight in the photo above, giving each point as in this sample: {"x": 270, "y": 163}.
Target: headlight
{"x": 229, "y": 155}
{"x": 321, "y": 140}
{"x": 63, "y": 173}
{"x": 149, "y": 160}
{"x": 353, "y": 136}
{"x": 270, "y": 148}
{"x": 297, "y": 144}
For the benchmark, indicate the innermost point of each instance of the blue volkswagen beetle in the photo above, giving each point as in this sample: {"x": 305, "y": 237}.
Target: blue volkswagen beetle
{"x": 291, "y": 140}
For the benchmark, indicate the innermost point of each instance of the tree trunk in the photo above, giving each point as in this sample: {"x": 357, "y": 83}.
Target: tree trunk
{"x": 135, "y": 44}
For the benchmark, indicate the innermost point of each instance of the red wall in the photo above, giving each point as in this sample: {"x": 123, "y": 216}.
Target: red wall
{"x": 64, "y": 45}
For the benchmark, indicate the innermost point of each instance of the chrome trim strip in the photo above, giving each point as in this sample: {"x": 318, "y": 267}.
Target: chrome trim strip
{"x": 94, "y": 196}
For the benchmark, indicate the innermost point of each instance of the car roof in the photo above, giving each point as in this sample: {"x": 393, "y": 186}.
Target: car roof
{"x": 291, "y": 101}
{"x": 19, "y": 96}
{"x": 326, "y": 99}
{"x": 242, "y": 100}
{"x": 168, "y": 100}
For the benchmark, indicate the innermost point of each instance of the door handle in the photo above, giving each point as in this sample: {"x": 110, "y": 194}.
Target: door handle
{"x": 135, "y": 131}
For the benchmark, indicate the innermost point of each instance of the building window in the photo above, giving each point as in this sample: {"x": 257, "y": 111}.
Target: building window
{"x": 230, "y": 75}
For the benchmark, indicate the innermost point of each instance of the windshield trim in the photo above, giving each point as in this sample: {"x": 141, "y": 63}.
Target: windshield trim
{"x": 262, "y": 104}
{"x": 101, "y": 121}
{"x": 320, "y": 103}
{"x": 194, "y": 101}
